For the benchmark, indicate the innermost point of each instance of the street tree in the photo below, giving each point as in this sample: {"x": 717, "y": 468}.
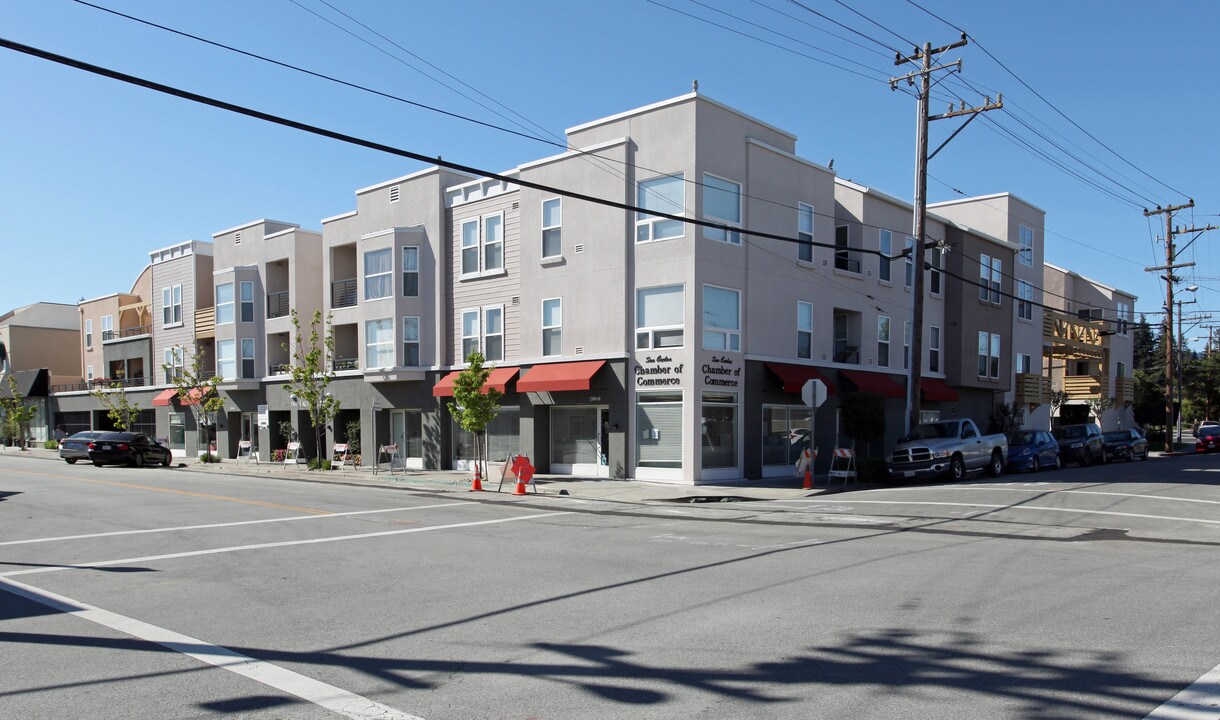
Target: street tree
{"x": 475, "y": 405}
{"x": 17, "y": 415}
{"x": 112, "y": 395}
{"x": 196, "y": 389}
{"x": 311, "y": 372}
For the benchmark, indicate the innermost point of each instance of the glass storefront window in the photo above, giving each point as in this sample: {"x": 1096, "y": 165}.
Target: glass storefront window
{"x": 503, "y": 437}
{"x": 785, "y": 434}
{"x": 658, "y": 423}
{"x": 574, "y": 435}
{"x": 719, "y": 430}
{"x": 177, "y": 431}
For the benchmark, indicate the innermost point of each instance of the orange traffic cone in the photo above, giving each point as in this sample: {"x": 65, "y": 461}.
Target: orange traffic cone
{"x": 520, "y": 489}
{"x": 477, "y": 485}
{"x": 808, "y": 485}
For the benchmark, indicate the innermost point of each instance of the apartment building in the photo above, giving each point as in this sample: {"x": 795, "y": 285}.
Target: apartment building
{"x": 38, "y": 348}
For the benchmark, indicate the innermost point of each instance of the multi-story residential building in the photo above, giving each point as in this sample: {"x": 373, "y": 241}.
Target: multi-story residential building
{"x": 1091, "y": 349}
{"x": 38, "y": 349}
{"x": 116, "y": 336}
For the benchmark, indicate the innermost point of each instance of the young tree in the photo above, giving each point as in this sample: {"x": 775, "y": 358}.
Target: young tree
{"x": 17, "y": 415}
{"x": 197, "y": 390}
{"x": 112, "y": 394}
{"x": 474, "y": 406}
{"x": 311, "y": 372}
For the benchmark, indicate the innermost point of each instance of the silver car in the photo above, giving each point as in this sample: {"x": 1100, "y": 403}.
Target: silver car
{"x": 76, "y": 447}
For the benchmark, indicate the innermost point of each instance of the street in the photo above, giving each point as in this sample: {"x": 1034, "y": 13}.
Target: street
{"x": 1080, "y": 593}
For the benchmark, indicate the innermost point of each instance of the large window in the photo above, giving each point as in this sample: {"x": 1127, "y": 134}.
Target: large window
{"x": 470, "y": 247}
{"x": 1026, "y": 238}
{"x": 247, "y": 301}
{"x": 89, "y": 332}
{"x": 410, "y": 272}
{"x": 804, "y": 232}
{"x": 552, "y": 222}
{"x": 171, "y": 306}
{"x": 804, "y": 330}
{"x": 658, "y": 422}
{"x": 991, "y": 270}
{"x": 410, "y": 341}
{"x": 483, "y": 244}
{"x": 658, "y": 317}
{"x": 934, "y": 275}
{"x": 785, "y": 434}
{"x": 721, "y": 318}
{"x": 933, "y": 349}
{"x": 226, "y": 357}
{"x": 994, "y": 366}
{"x": 664, "y": 194}
{"x": 719, "y": 430}
{"x": 224, "y": 303}
{"x": 552, "y": 327}
{"x": 989, "y": 355}
{"x": 493, "y": 334}
{"x": 378, "y": 274}
{"x": 885, "y": 244}
{"x": 107, "y": 327}
{"x": 1025, "y": 300}
{"x": 844, "y": 258}
{"x": 883, "y": 341}
{"x": 984, "y": 350}
{"x": 503, "y": 436}
{"x": 493, "y": 242}
{"x": 470, "y": 333}
{"x": 247, "y": 358}
{"x": 379, "y": 343}
{"x": 1123, "y": 312}
{"x": 174, "y": 363}
{"x": 722, "y": 203}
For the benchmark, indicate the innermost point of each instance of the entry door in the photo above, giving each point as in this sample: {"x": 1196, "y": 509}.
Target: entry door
{"x": 406, "y": 431}
{"x": 578, "y": 440}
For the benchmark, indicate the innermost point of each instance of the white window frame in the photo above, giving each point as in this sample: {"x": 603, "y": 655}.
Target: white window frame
{"x": 380, "y": 346}
{"x": 470, "y": 245}
{"x": 934, "y": 338}
{"x": 231, "y": 344}
{"x": 88, "y": 333}
{"x": 89, "y": 373}
{"x": 804, "y": 232}
{"x": 1026, "y": 239}
{"x": 488, "y": 312}
{"x": 472, "y": 339}
{"x": 1025, "y": 301}
{"x": 553, "y": 231}
{"x": 410, "y": 269}
{"x": 489, "y": 243}
{"x": 804, "y": 330}
{"x": 242, "y": 358}
{"x": 984, "y": 278}
{"x": 243, "y": 302}
{"x": 1123, "y": 311}
{"x": 731, "y": 237}
{"x": 646, "y": 336}
{"x": 883, "y": 340}
{"x": 885, "y": 246}
{"x": 983, "y": 350}
{"x": 646, "y": 224}
{"x": 226, "y": 312}
{"x": 731, "y": 334}
{"x": 410, "y": 338}
{"x": 997, "y": 275}
{"x": 936, "y": 285}
{"x": 386, "y": 277}
{"x": 555, "y": 329}
{"x": 171, "y": 306}
{"x": 1024, "y": 364}
{"x": 175, "y": 361}
{"x": 107, "y": 326}
{"x": 995, "y": 357}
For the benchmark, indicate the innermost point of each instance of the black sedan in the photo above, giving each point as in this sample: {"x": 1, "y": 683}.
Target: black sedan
{"x": 76, "y": 447}
{"x": 1208, "y": 439}
{"x": 127, "y": 448}
{"x": 1125, "y": 444}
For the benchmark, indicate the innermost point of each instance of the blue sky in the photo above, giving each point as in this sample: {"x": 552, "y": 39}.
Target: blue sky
{"x": 94, "y": 173}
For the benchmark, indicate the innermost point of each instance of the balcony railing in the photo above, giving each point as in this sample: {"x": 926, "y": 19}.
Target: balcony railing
{"x": 205, "y": 323}
{"x": 346, "y": 364}
{"x": 108, "y": 335}
{"x": 1082, "y": 386}
{"x": 277, "y": 304}
{"x": 343, "y": 293}
{"x": 1033, "y": 389}
{"x": 844, "y": 261}
{"x": 280, "y": 369}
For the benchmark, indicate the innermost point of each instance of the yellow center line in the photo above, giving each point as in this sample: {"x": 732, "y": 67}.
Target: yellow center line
{"x": 189, "y": 493}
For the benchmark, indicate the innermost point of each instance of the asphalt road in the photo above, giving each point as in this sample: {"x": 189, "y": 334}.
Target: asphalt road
{"x": 1084, "y": 593}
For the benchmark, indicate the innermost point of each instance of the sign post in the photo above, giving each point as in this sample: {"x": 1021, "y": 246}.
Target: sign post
{"x": 377, "y": 461}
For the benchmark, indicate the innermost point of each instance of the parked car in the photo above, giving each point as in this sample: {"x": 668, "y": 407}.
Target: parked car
{"x": 1080, "y": 444}
{"x": 1032, "y": 450}
{"x": 947, "y": 447}
{"x": 1125, "y": 444}
{"x": 76, "y": 447}
{"x": 1205, "y": 424}
{"x": 127, "y": 448}
{"x": 1208, "y": 439}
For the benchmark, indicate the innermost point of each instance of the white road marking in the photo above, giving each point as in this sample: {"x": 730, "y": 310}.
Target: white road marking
{"x": 1021, "y": 507}
{"x": 319, "y": 693}
{"x": 225, "y": 525}
{"x": 1200, "y": 469}
{"x": 1070, "y": 492}
{"x": 285, "y": 543}
{"x": 1200, "y": 701}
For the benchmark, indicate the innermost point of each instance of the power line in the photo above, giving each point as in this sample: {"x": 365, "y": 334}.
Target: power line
{"x": 849, "y": 29}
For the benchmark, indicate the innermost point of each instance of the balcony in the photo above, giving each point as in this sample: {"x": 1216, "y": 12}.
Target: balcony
{"x": 1124, "y": 390}
{"x": 277, "y": 304}
{"x": 205, "y": 323}
{"x": 845, "y": 261}
{"x": 1033, "y": 389}
{"x": 346, "y": 364}
{"x": 343, "y": 293}
{"x": 108, "y": 335}
{"x": 280, "y": 369}
{"x": 1079, "y": 387}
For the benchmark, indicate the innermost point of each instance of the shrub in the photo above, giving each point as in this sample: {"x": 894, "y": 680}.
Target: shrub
{"x": 314, "y": 465}
{"x": 278, "y": 455}
{"x": 51, "y": 445}
{"x": 209, "y": 457}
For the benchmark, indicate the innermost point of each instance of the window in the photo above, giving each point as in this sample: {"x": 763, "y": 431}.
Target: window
{"x": 658, "y": 317}
{"x": 1089, "y": 313}
{"x": 171, "y": 306}
{"x": 664, "y": 194}
{"x": 846, "y": 337}
{"x": 89, "y": 373}
{"x": 247, "y": 301}
{"x": 984, "y": 349}
{"x": 89, "y": 333}
{"x": 1025, "y": 298}
{"x": 933, "y": 349}
{"x": 107, "y": 327}
{"x": 804, "y": 330}
{"x": 658, "y": 420}
{"x": 906, "y": 345}
{"x": 785, "y": 434}
{"x": 470, "y": 247}
{"x": 1123, "y": 312}
{"x": 1026, "y": 238}
{"x": 470, "y": 333}
{"x": 843, "y": 256}
{"x": 410, "y": 272}
{"x": 379, "y": 343}
{"x": 885, "y": 244}
{"x": 1024, "y": 363}
{"x": 804, "y": 232}
{"x": 552, "y": 326}
{"x": 934, "y": 275}
{"x": 719, "y": 430}
{"x": 378, "y": 274}
{"x": 721, "y": 319}
{"x": 1121, "y": 369}
{"x": 995, "y": 356}
{"x": 552, "y": 219}
{"x": 174, "y": 363}
{"x": 883, "y": 341}
{"x": 410, "y": 341}
{"x": 722, "y": 203}
{"x": 247, "y": 358}
{"x": 493, "y": 334}
{"x": 910, "y": 263}
{"x": 226, "y": 358}
{"x": 493, "y": 242}
{"x": 991, "y": 269}
{"x": 989, "y": 355}
{"x": 224, "y": 303}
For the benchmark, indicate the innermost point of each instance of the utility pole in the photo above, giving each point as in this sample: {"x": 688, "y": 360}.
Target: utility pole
{"x": 1170, "y": 280}
{"x": 924, "y": 57}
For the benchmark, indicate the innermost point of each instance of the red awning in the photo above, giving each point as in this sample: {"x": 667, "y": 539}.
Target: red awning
{"x": 874, "y": 383}
{"x": 498, "y": 379}
{"x": 194, "y": 396}
{"x": 164, "y": 398}
{"x": 557, "y": 377}
{"x": 937, "y": 390}
{"x": 794, "y": 377}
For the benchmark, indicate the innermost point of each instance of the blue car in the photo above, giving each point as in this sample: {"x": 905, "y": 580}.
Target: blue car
{"x": 1032, "y": 450}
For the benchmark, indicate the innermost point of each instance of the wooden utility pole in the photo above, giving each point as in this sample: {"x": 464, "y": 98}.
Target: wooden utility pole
{"x": 924, "y": 57}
